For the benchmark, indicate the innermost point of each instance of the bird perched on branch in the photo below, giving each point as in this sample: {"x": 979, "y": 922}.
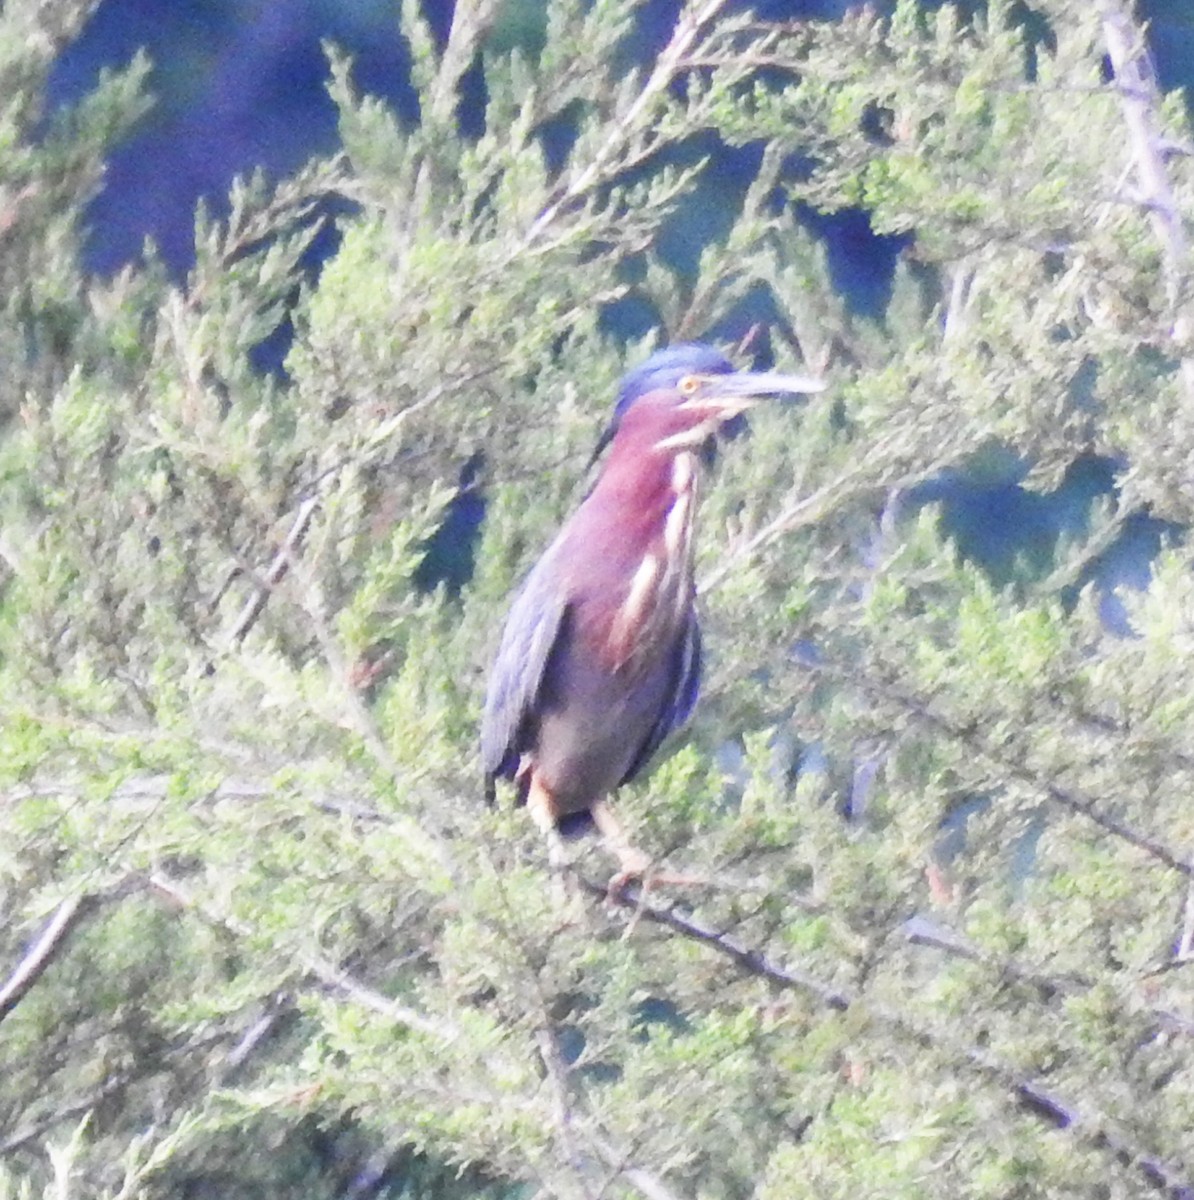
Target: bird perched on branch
{"x": 600, "y": 657}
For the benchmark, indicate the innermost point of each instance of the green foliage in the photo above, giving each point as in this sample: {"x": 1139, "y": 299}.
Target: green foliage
{"x": 943, "y": 818}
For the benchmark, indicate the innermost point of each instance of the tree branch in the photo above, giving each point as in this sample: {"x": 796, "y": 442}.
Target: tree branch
{"x": 43, "y": 952}
{"x": 1072, "y": 799}
{"x": 277, "y": 570}
{"x": 52, "y": 940}
{"x": 1091, "y": 1127}
{"x": 1137, "y": 86}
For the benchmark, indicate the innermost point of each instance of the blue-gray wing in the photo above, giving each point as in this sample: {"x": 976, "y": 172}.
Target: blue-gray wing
{"x": 684, "y": 686}
{"x": 536, "y": 623}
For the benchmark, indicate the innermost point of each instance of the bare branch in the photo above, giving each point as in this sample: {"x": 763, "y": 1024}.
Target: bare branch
{"x": 1140, "y": 98}
{"x": 52, "y": 941}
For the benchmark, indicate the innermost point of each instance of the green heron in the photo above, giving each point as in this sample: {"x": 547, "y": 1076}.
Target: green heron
{"x": 600, "y": 658}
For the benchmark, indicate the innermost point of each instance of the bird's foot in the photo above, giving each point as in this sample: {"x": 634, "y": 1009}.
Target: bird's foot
{"x": 638, "y": 868}
{"x": 649, "y": 880}
{"x": 635, "y": 867}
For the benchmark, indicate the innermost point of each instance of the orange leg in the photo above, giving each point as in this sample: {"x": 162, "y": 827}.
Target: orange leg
{"x": 542, "y": 808}
{"x": 633, "y": 862}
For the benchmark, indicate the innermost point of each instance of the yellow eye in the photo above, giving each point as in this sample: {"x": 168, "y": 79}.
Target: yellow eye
{"x": 689, "y": 385}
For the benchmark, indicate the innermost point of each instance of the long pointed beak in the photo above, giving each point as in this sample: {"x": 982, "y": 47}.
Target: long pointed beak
{"x": 756, "y": 384}
{"x": 729, "y": 395}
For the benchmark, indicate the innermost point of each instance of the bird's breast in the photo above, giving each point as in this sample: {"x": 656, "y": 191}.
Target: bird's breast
{"x": 655, "y": 603}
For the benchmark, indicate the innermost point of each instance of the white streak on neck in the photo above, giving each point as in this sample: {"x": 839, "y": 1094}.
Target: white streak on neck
{"x": 636, "y": 607}
{"x": 677, "y": 528}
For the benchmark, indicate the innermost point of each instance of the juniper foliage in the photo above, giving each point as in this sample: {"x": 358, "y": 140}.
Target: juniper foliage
{"x": 261, "y": 936}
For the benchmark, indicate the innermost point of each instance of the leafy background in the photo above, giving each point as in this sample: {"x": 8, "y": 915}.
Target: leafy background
{"x": 264, "y": 940}
{"x": 239, "y": 85}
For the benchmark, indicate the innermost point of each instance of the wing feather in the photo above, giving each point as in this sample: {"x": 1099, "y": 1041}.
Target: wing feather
{"x": 537, "y": 621}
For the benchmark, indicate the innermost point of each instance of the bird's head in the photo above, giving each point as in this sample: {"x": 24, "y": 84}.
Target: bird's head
{"x": 686, "y": 412}
{"x": 702, "y": 376}
{"x": 665, "y": 368}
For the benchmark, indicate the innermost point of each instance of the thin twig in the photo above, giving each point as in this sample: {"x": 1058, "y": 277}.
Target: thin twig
{"x": 341, "y": 981}
{"x": 277, "y": 571}
{"x": 924, "y": 931}
{"x": 804, "y": 511}
{"x": 646, "y": 1183}
{"x": 1137, "y": 88}
{"x": 748, "y": 958}
{"x": 379, "y": 437}
{"x": 561, "y": 1105}
{"x": 319, "y": 969}
{"x": 811, "y": 509}
{"x": 112, "y": 1085}
{"x": 1140, "y": 99}
{"x": 253, "y": 1038}
{"x": 471, "y": 21}
{"x": 1013, "y": 767}
{"x": 311, "y": 602}
{"x": 53, "y": 939}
